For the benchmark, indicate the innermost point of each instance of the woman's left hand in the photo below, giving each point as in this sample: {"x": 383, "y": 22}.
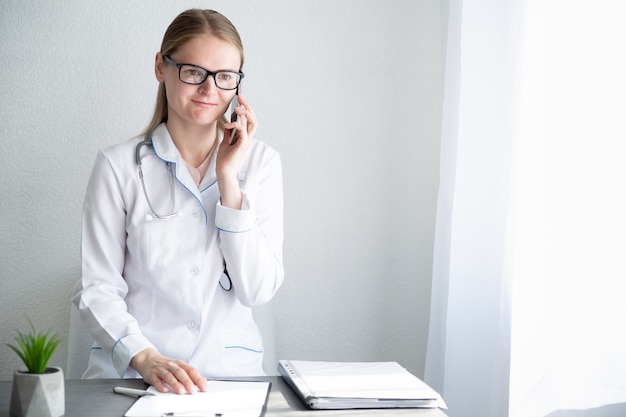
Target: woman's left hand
{"x": 230, "y": 155}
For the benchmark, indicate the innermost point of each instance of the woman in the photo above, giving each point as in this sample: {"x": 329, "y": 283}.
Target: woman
{"x": 182, "y": 227}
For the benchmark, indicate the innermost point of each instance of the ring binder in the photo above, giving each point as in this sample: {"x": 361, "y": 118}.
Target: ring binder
{"x": 346, "y": 385}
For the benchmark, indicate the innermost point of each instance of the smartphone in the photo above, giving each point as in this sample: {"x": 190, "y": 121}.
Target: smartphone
{"x": 234, "y": 117}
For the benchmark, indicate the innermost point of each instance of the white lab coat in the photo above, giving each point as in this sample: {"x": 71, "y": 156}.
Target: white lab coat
{"x": 155, "y": 283}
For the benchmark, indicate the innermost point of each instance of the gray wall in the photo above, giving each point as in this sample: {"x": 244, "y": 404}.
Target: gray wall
{"x": 356, "y": 119}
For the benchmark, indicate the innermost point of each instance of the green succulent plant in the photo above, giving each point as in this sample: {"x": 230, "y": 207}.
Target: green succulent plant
{"x": 35, "y": 348}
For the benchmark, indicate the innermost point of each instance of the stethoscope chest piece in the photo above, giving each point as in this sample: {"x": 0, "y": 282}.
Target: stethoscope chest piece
{"x": 225, "y": 281}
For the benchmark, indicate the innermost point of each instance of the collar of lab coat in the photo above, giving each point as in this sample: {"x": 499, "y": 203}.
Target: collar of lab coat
{"x": 166, "y": 150}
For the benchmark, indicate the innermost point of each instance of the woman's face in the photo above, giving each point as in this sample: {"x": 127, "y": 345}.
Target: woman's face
{"x": 203, "y": 104}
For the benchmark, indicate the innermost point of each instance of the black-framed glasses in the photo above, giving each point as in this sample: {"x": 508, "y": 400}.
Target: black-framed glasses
{"x": 195, "y": 75}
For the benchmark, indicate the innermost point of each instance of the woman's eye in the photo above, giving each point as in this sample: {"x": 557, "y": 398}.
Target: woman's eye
{"x": 192, "y": 72}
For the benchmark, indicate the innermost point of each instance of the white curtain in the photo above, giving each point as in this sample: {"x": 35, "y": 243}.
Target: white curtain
{"x": 527, "y": 314}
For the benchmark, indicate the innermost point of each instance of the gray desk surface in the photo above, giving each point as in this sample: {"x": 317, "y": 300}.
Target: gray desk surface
{"x": 95, "y": 398}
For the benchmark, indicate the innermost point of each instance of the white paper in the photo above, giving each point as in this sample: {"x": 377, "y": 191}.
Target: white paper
{"x": 364, "y": 380}
{"x": 228, "y": 398}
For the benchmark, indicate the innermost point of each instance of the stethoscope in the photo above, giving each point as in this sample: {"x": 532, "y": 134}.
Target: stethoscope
{"x": 148, "y": 142}
{"x": 225, "y": 281}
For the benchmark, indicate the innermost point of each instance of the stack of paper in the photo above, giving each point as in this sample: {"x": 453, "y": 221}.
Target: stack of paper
{"x": 343, "y": 385}
{"x": 225, "y": 398}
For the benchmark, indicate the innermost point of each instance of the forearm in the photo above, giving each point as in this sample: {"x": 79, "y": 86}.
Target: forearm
{"x": 230, "y": 193}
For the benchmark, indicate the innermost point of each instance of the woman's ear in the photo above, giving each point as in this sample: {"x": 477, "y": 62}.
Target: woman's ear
{"x": 158, "y": 67}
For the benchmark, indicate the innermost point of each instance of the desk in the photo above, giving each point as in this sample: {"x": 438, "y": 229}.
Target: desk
{"x": 95, "y": 398}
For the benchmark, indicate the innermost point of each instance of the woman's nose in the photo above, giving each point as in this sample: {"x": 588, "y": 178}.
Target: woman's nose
{"x": 208, "y": 85}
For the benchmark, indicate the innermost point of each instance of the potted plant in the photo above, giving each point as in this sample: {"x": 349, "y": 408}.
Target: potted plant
{"x": 40, "y": 390}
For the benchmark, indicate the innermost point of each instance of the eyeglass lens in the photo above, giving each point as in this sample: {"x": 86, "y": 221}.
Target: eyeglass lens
{"x": 191, "y": 74}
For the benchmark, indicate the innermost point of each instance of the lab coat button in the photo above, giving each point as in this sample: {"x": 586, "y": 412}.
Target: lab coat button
{"x": 191, "y": 325}
{"x": 196, "y": 213}
{"x": 195, "y": 271}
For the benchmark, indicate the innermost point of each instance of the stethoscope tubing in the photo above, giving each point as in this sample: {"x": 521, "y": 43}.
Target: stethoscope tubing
{"x": 148, "y": 142}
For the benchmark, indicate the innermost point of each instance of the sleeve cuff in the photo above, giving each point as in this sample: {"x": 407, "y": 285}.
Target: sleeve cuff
{"x": 127, "y": 347}
{"x": 235, "y": 221}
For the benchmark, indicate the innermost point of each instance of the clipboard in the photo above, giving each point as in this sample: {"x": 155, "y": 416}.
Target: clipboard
{"x": 223, "y": 397}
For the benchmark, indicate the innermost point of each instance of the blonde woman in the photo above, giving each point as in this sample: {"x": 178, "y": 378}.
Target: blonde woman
{"x": 183, "y": 226}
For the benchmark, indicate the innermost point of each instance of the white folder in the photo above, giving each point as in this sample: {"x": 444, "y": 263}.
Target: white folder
{"x": 346, "y": 385}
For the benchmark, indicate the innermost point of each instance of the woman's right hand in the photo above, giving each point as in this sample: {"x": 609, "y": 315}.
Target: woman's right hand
{"x": 167, "y": 374}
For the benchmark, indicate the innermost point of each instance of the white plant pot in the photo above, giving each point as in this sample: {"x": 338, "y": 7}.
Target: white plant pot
{"x": 38, "y": 395}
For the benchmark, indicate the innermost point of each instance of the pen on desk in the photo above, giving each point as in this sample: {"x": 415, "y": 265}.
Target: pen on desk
{"x": 131, "y": 392}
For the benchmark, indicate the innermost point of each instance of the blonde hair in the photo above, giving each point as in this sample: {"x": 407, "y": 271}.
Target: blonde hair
{"x": 186, "y": 26}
